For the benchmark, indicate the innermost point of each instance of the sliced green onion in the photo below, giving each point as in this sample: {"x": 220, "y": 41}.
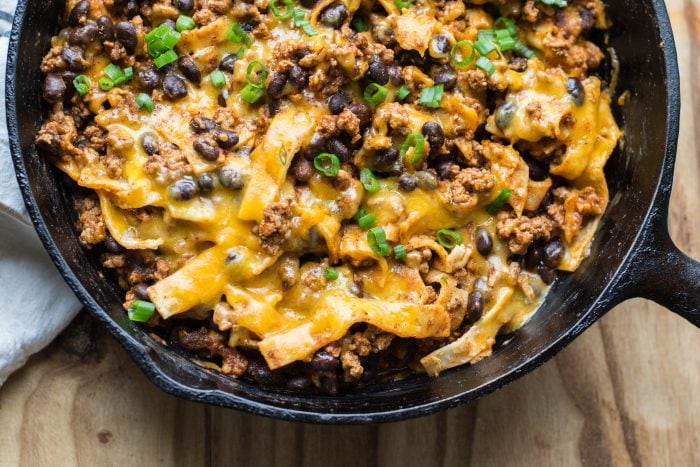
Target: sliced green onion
{"x": 184, "y": 23}
{"x": 415, "y": 141}
{"x": 431, "y": 97}
{"x": 168, "y": 57}
{"x": 484, "y": 46}
{"x": 328, "y": 164}
{"x": 506, "y": 23}
{"x": 360, "y": 212}
{"x": 367, "y": 221}
{"x": 128, "y": 73}
{"x": 522, "y": 49}
{"x": 161, "y": 40}
{"x": 217, "y": 78}
{"x": 559, "y": 3}
{"x": 499, "y": 201}
{"x": 330, "y": 274}
{"x": 82, "y": 84}
{"x": 113, "y": 71}
{"x": 252, "y": 94}
{"x": 377, "y": 241}
{"x": 402, "y": 92}
{"x": 144, "y": 101}
{"x": 457, "y": 49}
{"x": 448, "y": 238}
{"x": 260, "y": 72}
{"x": 401, "y": 4}
{"x": 289, "y": 9}
{"x": 235, "y": 33}
{"x": 358, "y": 24}
{"x": 506, "y": 44}
{"x": 282, "y": 155}
{"x": 141, "y": 310}
{"x": 308, "y": 29}
{"x": 400, "y": 251}
{"x": 369, "y": 181}
{"x": 486, "y": 65}
{"x": 300, "y": 21}
{"x": 375, "y": 93}
{"x": 105, "y": 84}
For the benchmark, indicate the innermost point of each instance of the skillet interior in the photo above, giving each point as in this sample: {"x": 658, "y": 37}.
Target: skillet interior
{"x": 575, "y": 301}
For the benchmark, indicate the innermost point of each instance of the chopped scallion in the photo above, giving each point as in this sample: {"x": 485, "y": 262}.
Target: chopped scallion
{"x": 499, "y": 202}
{"x": 82, "y": 84}
{"x": 144, "y": 101}
{"x": 486, "y": 65}
{"x": 400, "y": 251}
{"x": 369, "y": 181}
{"x": 165, "y": 59}
{"x": 330, "y": 274}
{"x": 217, "y": 78}
{"x": 105, "y": 84}
{"x": 376, "y": 238}
{"x": 402, "y": 92}
{"x": 256, "y": 70}
{"x": 358, "y": 24}
{"x": 289, "y": 9}
{"x": 252, "y": 94}
{"x": 413, "y": 147}
{"x": 431, "y": 97}
{"x": 184, "y": 23}
{"x": 141, "y": 310}
{"x": 367, "y": 221}
{"x": 448, "y": 238}
{"x": 402, "y": 4}
{"x": 375, "y": 93}
{"x": 328, "y": 164}
{"x": 235, "y": 33}
{"x": 458, "y": 49}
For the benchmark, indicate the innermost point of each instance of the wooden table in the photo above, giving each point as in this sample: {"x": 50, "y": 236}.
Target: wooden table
{"x": 624, "y": 393}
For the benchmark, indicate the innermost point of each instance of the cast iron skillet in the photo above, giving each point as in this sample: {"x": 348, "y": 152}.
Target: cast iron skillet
{"x": 632, "y": 256}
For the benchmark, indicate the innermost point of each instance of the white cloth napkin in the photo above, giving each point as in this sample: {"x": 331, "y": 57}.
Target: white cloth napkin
{"x": 35, "y": 303}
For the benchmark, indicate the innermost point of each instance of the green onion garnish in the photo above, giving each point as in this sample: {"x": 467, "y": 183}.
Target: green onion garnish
{"x": 401, "y": 4}
{"x": 402, "y": 92}
{"x": 105, "y": 84}
{"x": 360, "y": 212}
{"x": 113, "y": 71}
{"x": 431, "y": 97}
{"x": 448, "y": 238}
{"x": 500, "y": 200}
{"x": 289, "y": 9}
{"x": 161, "y": 40}
{"x": 559, "y": 3}
{"x": 485, "y": 42}
{"x": 252, "y": 94}
{"x": 375, "y": 93}
{"x": 358, "y": 24}
{"x": 256, "y": 68}
{"x": 168, "y": 57}
{"x": 184, "y": 23}
{"x": 300, "y": 21}
{"x": 328, "y": 164}
{"x": 235, "y": 33}
{"x": 367, "y": 221}
{"x": 82, "y": 84}
{"x": 400, "y": 252}
{"x": 377, "y": 241}
{"x": 506, "y": 23}
{"x": 141, "y": 310}
{"x": 486, "y": 65}
{"x": 144, "y": 101}
{"x": 522, "y": 49}
{"x": 217, "y": 78}
{"x": 128, "y": 73}
{"x": 369, "y": 181}
{"x": 457, "y": 48}
{"x": 330, "y": 274}
{"x": 415, "y": 144}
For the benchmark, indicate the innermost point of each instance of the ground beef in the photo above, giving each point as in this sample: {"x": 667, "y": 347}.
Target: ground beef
{"x": 275, "y": 226}
{"x": 522, "y": 231}
{"x": 168, "y": 164}
{"x": 90, "y": 223}
{"x": 209, "y": 343}
{"x": 461, "y": 189}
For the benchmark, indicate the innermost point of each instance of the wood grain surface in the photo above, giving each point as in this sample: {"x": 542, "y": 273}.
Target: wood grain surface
{"x": 624, "y": 393}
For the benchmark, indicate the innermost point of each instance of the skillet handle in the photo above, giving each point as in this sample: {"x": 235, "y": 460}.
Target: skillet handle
{"x": 666, "y": 275}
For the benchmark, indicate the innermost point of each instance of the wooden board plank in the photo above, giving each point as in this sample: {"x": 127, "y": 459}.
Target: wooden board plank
{"x": 624, "y": 393}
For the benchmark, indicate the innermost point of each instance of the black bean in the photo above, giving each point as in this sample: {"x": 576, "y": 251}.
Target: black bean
{"x": 68, "y": 77}
{"x": 73, "y": 56}
{"x": 222, "y": 97}
{"x": 334, "y": 16}
{"x": 324, "y": 361}
{"x": 273, "y": 107}
{"x": 337, "y": 102}
{"x": 439, "y": 46}
{"x": 231, "y": 177}
{"x": 112, "y": 246}
{"x": 518, "y": 63}
{"x": 301, "y": 169}
{"x": 54, "y": 87}
{"x": 447, "y": 76}
{"x": 169, "y": 23}
{"x": 548, "y": 275}
{"x": 396, "y": 75}
{"x": 260, "y": 372}
{"x": 475, "y": 307}
{"x": 504, "y": 115}
{"x": 553, "y": 253}
{"x": 148, "y": 77}
{"x": 434, "y": 134}
{"x": 384, "y": 160}
{"x": 576, "y": 91}
{"x": 126, "y": 35}
{"x": 247, "y": 26}
{"x": 174, "y": 87}
{"x": 227, "y": 62}
{"x": 84, "y": 34}
{"x": 226, "y": 139}
{"x": 483, "y": 241}
{"x": 337, "y": 147}
{"x": 407, "y": 182}
{"x": 308, "y": 3}
{"x": 50, "y": 145}
{"x": 202, "y": 124}
{"x": 78, "y": 14}
{"x": 410, "y": 57}
{"x": 362, "y": 112}
{"x": 275, "y": 87}
{"x": 378, "y": 72}
{"x": 141, "y": 291}
{"x": 426, "y": 179}
{"x": 443, "y": 167}
{"x": 533, "y": 257}
{"x": 189, "y": 68}
{"x": 329, "y": 383}
{"x": 207, "y": 148}
{"x": 183, "y": 189}
{"x": 537, "y": 170}
{"x": 105, "y": 28}
{"x": 205, "y": 182}
{"x": 298, "y": 77}
{"x": 149, "y": 143}
{"x": 184, "y": 5}
{"x": 315, "y": 146}
{"x": 298, "y": 383}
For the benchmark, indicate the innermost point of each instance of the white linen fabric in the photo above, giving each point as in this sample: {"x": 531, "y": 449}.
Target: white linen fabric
{"x": 35, "y": 303}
